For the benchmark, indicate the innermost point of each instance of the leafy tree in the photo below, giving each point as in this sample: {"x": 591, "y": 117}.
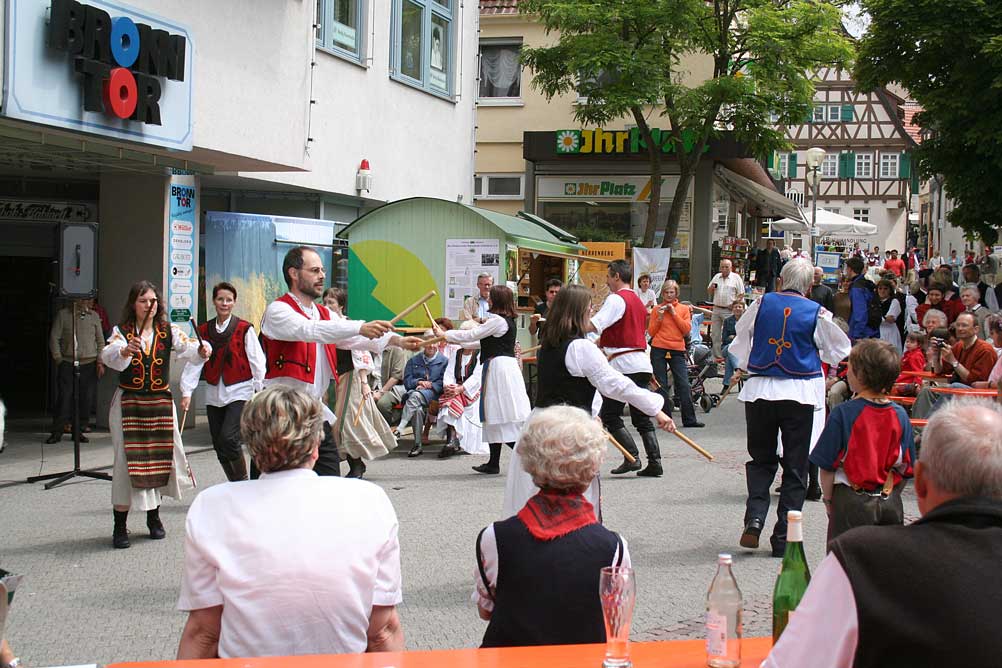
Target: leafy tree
{"x": 631, "y": 58}
{"x": 948, "y": 54}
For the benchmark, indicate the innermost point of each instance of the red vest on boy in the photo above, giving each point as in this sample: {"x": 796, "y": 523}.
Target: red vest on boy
{"x": 228, "y": 362}
{"x": 297, "y": 359}
{"x": 628, "y": 331}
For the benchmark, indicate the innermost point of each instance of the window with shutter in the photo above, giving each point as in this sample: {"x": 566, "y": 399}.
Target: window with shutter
{"x": 847, "y": 113}
{"x": 792, "y": 166}
{"x": 905, "y": 166}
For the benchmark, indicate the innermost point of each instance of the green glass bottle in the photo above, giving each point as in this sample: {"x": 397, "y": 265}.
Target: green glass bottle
{"x": 794, "y": 575}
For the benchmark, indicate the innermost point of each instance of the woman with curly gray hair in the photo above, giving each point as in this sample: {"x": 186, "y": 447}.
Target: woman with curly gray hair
{"x": 537, "y": 580}
{"x": 273, "y": 544}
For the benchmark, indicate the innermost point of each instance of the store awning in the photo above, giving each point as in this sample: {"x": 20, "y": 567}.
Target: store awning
{"x": 768, "y": 201}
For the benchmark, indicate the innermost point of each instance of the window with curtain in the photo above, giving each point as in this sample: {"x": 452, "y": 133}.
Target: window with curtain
{"x": 500, "y": 70}
{"x": 423, "y": 44}
{"x": 339, "y": 27}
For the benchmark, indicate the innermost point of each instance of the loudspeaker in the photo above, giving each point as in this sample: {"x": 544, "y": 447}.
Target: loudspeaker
{"x": 77, "y": 260}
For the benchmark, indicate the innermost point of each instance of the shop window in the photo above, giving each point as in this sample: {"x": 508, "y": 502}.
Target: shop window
{"x": 499, "y": 186}
{"x": 889, "y": 165}
{"x": 500, "y": 71}
{"x": 340, "y": 27}
{"x": 422, "y": 50}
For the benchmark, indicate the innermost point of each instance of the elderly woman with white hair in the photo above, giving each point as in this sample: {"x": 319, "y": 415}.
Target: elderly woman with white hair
{"x": 537, "y": 572}
{"x": 782, "y": 341}
{"x": 292, "y": 563}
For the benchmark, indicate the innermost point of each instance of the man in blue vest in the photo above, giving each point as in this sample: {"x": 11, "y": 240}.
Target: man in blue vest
{"x": 781, "y": 341}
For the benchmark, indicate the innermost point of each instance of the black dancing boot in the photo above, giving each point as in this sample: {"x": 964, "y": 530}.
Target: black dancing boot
{"x": 624, "y": 439}
{"x": 154, "y": 524}
{"x": 493, "y": 465}
{"x": 814, "y": 486}
{"x": 653, "y": 469}
{"x": 120, "y": 537}
{"x": 356, "y": 468}
{"x": 238, "y": 467}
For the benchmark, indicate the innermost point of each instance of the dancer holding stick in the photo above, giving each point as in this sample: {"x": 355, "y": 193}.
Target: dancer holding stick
{"x": 233, "y": 373}
{"x": 571, "y": 370}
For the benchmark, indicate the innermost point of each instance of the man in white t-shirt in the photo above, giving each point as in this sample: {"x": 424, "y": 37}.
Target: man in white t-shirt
{"x": 724, "y": 289}
{"x": 293, "y": 563}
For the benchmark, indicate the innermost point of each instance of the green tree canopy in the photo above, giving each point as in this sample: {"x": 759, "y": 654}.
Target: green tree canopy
{"x": 632, "y": 57}
{"x": 948, "y": 54}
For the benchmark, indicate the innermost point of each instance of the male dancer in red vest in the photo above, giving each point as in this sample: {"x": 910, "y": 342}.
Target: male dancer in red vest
{"x": 301, "y": 340}
{"x": 622, "y": 326}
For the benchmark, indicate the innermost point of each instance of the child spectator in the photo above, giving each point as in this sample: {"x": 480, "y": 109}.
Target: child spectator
{"x": 913, "y": 358}
{"x": 867, "y": 447}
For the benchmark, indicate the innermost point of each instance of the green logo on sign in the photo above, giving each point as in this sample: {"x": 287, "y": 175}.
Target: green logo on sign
{"x": 568, "y": 141}
{"x": 180, "y": 315}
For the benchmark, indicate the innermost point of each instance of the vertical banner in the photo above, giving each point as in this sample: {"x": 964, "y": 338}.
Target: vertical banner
{"x": 464, "y": 260}
{"x": 653, "y": 262}
{"x": 182, "y": 250}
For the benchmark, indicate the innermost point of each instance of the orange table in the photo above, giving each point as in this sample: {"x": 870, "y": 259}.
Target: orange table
{"x": 672, "y": 654}
{"x": 904, "y": 401}
{"x": 965, "y": 392}
{"x": 919, "y": 422}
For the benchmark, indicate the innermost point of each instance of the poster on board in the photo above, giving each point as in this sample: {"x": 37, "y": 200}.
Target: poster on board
{"x": 592, "y": 275}
{"x": 465, "y": 259}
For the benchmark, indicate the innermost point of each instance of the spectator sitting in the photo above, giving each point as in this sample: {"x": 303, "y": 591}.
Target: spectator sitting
{"x": 729, "y": 332}
{"x": 423, "y": 377}
{"x": 459, "y": 403}
{"x": 969, "y": 297}
{"x": 913, "y": 358}
{"x": 861, "y": 293}
{"x": 906, "y": 596}
{"x": 537, "y": 572}
{"x": 391, "y": 390}
{"x": 995, "y": 377}
{"x": 935, "y": 299}
{"x": 986, "y": 295}
{"x": 971, "y": 359}
{"x": 867, "y": 447}
{"x": 270, "y": 570}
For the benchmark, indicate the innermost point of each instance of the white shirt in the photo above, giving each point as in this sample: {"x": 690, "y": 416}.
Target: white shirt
{"x": 494, "y": 325}
{"x": 833, "y": 347}
{"x": 296, "y": 560}
{"x": 281, "y": 322}
{"x": 611, "y": 312}
{"x": 472, "y": 384}
{"x": 489, "y": 554}
{"x": 728, "y": 289}
{"x": 584, "y": 360}
{"x": 183, "y": 348}
{"x": 222, "y": 394}
{"x": 648, "y": 297}
{"x": 823, "y": 632}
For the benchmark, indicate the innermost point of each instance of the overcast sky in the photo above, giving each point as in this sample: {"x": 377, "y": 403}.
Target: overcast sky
{"x": 856, "y": 21}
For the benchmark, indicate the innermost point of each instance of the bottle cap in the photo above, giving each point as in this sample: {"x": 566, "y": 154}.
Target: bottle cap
{"x": 794, "y": 516}
{"x": 724, "y": 558}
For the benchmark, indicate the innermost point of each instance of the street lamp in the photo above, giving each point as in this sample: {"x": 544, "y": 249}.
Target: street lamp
{"x": 815, "y": 157}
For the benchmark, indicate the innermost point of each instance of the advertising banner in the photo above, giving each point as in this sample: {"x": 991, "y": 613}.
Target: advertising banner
{"x": 182, "y": 251}
{"x": 653, "y": 262}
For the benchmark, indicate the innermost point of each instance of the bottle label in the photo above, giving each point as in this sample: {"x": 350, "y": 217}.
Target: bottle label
{"x": 716, "y": 634}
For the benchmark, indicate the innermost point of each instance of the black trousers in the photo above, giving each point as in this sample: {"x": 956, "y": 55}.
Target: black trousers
{"x": 612, "y": 410}
{"x": 663, "y": 359}
{"x": 85, "y": 398}
{"x": 328, "y": 462}
{"x": 224, "y": 428}
{"x": 765, "y": 421}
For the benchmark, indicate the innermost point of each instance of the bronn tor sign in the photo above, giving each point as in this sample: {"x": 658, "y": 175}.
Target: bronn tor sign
{"x": 120, "y": 61}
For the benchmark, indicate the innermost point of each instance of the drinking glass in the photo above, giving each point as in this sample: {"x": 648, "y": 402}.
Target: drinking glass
{"x": 617, "y": 590}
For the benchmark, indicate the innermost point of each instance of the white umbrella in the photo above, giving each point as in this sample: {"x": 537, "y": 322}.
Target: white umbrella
{"x": 829, "y": 224}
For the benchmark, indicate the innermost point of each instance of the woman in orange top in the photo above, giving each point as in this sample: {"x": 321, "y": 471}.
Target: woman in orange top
{"x": 669, "y": 326}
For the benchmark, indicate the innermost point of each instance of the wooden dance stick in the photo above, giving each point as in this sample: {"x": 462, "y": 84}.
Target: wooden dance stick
{"x": 361, "y": 405}
{"x": 692, "y": 444}
{"x": 417, "y": 304}
{"x": 630, "y": 458}
{"x": 146, "y": 318}
{"x": 194, "y": 328}
{"x": 532, "y": 349}
{"x": 436, "y": 339}
{"x": 411, "y": 330}
{"x": 728, "y": 390}
{"x": 428, "y": 313}
{"x": 184, "y": 416}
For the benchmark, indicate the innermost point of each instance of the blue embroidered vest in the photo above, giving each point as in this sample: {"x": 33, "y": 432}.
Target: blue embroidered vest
{"x": 783, "y": 339}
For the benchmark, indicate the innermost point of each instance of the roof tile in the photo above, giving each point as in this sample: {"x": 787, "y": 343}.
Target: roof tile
{"x": 491, "y": 7}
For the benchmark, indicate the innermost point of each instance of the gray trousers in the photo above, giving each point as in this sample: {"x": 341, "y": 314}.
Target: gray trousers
{"x": 852, "y": 509}
{"x": 415, "y": 413}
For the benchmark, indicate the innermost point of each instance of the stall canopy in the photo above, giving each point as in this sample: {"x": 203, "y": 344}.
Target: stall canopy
{"x": 401, "y": 250}
{"x": 829, "y": 224}
{"x": 767, "y": 201}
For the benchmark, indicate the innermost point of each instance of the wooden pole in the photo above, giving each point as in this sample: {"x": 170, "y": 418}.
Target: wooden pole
{"x": 532, "y": 349}
{"x": 436, "y": 339}
{"x": 411, "y": 330}
{"x": 403, "y": 314}
{"x": 194, "y": 328}
{"x": 184, "y": 416}
{"x": 630, "y": 458}
{"x": 428, "y": 313}
{"x": 692, "y": 444}
{"x": 734, "y": 382}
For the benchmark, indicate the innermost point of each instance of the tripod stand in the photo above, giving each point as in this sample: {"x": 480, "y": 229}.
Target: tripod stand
{"x": 76, "y": 471}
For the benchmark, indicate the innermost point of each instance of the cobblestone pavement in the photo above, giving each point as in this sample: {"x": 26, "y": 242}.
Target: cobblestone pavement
{"x": 82, "y": 601}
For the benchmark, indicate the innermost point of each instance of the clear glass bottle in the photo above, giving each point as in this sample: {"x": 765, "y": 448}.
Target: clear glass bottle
{"x": 723, "y": 617}
{"x": 794, "y": 575}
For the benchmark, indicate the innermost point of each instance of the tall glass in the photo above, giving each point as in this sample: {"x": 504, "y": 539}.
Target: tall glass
{"x": 617, "y": 590}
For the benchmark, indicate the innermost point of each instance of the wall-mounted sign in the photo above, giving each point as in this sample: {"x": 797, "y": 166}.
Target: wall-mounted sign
{"x": 182, "y": 250}
{"x": 619, "y": 141}
{"x": 632, "y": 188}
{"x": 99, "y": 67}
{"x": 55, "y": 212}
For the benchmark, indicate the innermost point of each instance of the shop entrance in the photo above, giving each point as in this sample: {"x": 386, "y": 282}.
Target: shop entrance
{"x": 25, "y": 301}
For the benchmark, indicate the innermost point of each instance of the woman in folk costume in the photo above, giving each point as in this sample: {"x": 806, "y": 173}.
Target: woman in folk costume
{"x": 233, "y": 373}
{"x": 504, "y": 404}
{"x": 571, "y": 369}
{"x": 149, "y": 458}
{"x": 459, "y": 405}
{"x": 359, "y": 429}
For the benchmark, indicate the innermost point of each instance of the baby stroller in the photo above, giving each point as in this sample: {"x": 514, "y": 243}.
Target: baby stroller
{"x": 702, "y": 366}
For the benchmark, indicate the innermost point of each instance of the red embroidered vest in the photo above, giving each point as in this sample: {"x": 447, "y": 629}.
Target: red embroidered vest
{"x": 148, "y": 372}
{"x": 228, "y": 362}
{"x": 297, "y": 359}
{"x": 628, "y": 331}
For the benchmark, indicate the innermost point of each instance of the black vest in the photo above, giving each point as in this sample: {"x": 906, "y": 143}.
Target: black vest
{"x": 928, "y": 594}
{"x": 557, "y": 385}
{"x": 463, "y": 372}
{"x": 547, "y": 591}
{"x": 499, "y": 346}
{"x": 344, "y": 361}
